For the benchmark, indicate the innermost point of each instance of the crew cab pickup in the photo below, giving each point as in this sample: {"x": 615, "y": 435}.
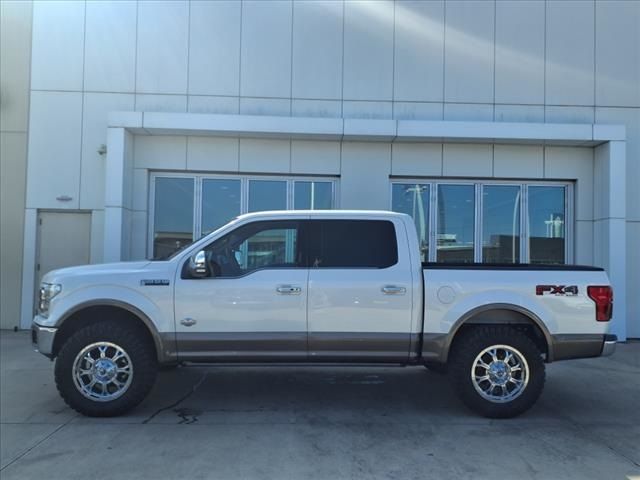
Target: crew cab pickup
{"x": 318, "y": 286}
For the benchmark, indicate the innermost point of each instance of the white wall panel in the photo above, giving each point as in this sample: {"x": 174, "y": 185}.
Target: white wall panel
{"x": 359, "y": 109}
{"x": 630, "y": 117}
{"x": 468, "y": 57}
{"x": 467, "y": 160}
{"x": 419, "y": 50}
{"x": 417, "y": 111}
{"x": 266, "y": 49}
{"x": 218, "y": 154}
{"x": 583, "y": 253}
{"x": 265, "y": 106}
{"x": 209, "y": 104}
{"x": 315, "y": 157}
{"x": 468, "y": 111}
{"x": 138, "y": 232}
{"x": 416, "y": 159}
{"x": 53, "y": 167}
{"x": 555, "y": 114}
{"x": 57, "y": 45}
{"x": 161, "y": 103}
{"x": 316, "y": 108}
{"x": 518, "y": 161}
{"x": 94, "y": 133}
{"x": 618, "y": 53}
{"x": 265, "y": 156}
{"x": 110, "y": 41}
{"x": 140, "y": 190}
{"x": 520, "y": 51}
{"x": 519, "y": 113}
{"x": 633, "y": 279}
{"x": 160, "y": 151}
{"x": 368, "y": 50}
{"x": 317, "y": 49}
{"x": 573, "y": 163}
{"x": 97, "y": 237}
{"x": 569, "y": 62}
{"x": 214, "y": 48}
{"x": 162, "y": 46}
{"x": 364, "y": 183}
{"x": 15, "y": 62}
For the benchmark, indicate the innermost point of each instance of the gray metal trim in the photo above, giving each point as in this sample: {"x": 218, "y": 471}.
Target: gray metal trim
{"x": 163, "y": 342}
{"x": 609, "y": 345}
{"x": 294, "y": 346}
{"x": 568, "y": 346}
{"x": 359, "y": 346}
{"x": 43, "y": 339}
{"x": 444, "y": 349}
{"x": 241, "y": 346}
{"x": 434, "y": 346}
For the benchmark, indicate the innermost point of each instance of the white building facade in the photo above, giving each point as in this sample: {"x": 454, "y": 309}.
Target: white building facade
{"x": 509, "y": 130}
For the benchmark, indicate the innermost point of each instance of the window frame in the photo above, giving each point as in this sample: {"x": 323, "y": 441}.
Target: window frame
{"x": 524, "y": 184}
{"x": 244, "y": 195}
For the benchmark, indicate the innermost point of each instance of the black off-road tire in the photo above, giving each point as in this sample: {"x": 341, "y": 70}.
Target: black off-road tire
{"x": 468, "y": 347}
{"x": 133, "y": 342}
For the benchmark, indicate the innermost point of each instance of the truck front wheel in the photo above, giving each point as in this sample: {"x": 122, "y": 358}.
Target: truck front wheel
{"x": 105, "y": 369}
{"x": 497, "y": 371}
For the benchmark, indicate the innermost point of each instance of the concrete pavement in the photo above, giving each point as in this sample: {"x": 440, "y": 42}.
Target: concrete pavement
{"x": 321, "y": 423}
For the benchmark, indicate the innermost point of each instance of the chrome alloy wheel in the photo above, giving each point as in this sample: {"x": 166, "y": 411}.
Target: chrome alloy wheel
{"x": 102, "y": 371}
{"x": 500, "y": 373}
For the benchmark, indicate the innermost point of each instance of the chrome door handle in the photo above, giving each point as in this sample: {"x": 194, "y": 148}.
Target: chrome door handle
{"x": 393, "y": 290}
{"x": 288, "y": 290}
{"x": 188, "y": 322}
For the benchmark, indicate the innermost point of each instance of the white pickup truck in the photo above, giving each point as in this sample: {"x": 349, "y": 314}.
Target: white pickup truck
{"x": 318, "y": 286}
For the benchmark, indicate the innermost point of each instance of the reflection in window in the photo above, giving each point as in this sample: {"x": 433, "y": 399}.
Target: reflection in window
{"x": 267, "y": 195}
{"x": 501, "y": 224}
{"x": 254, "y": 246}
{"x": 173, "y": 215}
{"x": 456, "y": 212}
{"x": 220, "y": 203}
{"x": 312, "y": 195}
{"x": 413, "y": 199}
{"x": 546, "y": 224}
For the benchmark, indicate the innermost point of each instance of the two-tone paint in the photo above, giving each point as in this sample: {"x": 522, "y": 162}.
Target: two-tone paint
{"x": 406, "y": 313}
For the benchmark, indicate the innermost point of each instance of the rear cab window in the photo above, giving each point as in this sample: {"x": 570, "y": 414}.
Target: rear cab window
{"x": 352, "y": 244}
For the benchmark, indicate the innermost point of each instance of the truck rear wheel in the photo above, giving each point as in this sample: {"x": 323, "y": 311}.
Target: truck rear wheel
{"x": 105, "y": 369}
{"x": 497, "y": 371}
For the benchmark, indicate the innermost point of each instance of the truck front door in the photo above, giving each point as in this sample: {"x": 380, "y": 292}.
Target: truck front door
{"x": 252, "y": 305}
{"x": 360, "y": 296}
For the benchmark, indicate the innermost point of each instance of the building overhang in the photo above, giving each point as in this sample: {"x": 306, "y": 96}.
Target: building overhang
{"x": 356, "y": 129}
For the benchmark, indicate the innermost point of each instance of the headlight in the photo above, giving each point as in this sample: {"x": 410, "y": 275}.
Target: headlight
{"x": 47, "y": 292}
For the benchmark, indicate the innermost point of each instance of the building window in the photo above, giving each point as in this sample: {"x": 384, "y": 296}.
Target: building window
{"x": 187, "y": 207}
{"x": 489, "y": 222}
{"x": 173, "y": 215}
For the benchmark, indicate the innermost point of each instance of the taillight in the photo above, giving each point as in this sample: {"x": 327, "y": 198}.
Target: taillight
{"x": 603, "y": 298}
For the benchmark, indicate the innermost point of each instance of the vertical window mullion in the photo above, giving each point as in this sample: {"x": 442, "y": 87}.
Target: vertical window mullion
{"x": 433, "y": 236}
{"x": 477, "y": 230}
{"x": 197, "y": 208}
{"x": 524, "y": 216}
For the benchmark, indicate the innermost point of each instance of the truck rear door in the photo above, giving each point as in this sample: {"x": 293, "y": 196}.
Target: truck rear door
{"x": 360, "y": 298}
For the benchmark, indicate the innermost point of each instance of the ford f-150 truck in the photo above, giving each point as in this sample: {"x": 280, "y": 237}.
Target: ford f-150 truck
{"x": 318, "y": 286}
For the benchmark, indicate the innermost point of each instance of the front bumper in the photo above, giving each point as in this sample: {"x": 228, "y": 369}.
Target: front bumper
{"x": 42, "y": 339}
{"x": 609, "y": 345}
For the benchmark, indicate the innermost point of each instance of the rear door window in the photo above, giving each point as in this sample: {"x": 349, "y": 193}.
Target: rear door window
{"x": 352, "y": 244}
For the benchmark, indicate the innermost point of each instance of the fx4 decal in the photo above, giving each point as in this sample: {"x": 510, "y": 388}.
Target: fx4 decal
{"x": 556, "y": 290}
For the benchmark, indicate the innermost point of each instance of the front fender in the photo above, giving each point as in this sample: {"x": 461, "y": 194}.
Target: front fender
{"x": 156, "y": 313}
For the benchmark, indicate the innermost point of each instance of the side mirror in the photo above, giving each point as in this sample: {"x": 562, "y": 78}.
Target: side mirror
{"x": 198, "y": 265}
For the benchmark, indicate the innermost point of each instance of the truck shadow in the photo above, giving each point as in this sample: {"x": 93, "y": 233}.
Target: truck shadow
{"x": 247, "y": 394}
